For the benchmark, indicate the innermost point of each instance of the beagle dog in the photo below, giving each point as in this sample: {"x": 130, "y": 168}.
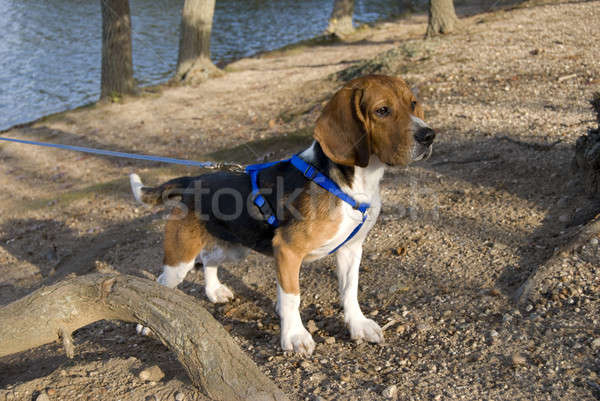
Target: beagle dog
{"x": 372, "y": 122}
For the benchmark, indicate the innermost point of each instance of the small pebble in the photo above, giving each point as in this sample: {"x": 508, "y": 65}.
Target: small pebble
{"x": 564, "y": 218}
{"x": 563, "y": 202}
{"x": 311, "y": 326}
{"x": 401, "y": 329}
{"x": 42, "y": 397}
{"x": 152, "y": 373}
{"x": 179, "y": 396}
{"x": 390, "y": 392}
{"x": 330, "y": 340}
{"x": 150, "y": 397}
{"x": 518, "y": 359}
{"x": 594, "y": 241}
{"x": 596, "y": 343}
{"x": 423, "y": 327}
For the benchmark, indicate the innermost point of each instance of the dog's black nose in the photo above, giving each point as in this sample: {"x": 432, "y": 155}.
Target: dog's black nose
{"x": 425, "y": 136}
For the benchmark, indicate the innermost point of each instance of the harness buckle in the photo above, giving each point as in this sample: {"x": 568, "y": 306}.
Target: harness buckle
{"x": 310, "y": 172}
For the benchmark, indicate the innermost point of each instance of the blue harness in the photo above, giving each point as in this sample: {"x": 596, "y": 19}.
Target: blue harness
{"x": 312, "y": 174}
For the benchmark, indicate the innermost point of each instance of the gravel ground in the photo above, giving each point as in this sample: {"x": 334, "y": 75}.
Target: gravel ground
{"x": 458, "y": 233}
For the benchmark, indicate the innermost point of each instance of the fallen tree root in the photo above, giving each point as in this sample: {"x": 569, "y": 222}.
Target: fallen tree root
{"x": 586, "y": 164}
{"x": 208, "y": 353}
{"x": 530, "y": 289}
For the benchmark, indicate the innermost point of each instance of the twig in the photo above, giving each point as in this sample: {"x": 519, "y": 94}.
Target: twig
{"x": 565, "y": 77}
{"x": 389, "y": 324}
{"x": 467, "y": 161}
{"x": 543, "y": 147}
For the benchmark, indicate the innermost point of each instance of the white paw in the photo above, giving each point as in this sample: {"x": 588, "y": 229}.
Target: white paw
{"x": 143, "y": 330}
{"x": 219, "y": 295}
{"x": 365, "y": 329}
{"x": 299, "y": 341}
{"x": 168, "y": 280}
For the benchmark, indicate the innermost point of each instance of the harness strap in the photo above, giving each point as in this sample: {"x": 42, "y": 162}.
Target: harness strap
{"x": 259, "y": 200}
{"x": 352, "y": 234}
{"x": 312, "y": 174}
{"x": 326, "y": 183}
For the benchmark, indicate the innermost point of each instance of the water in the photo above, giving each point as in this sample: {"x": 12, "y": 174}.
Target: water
{"x": 50, "y": 51}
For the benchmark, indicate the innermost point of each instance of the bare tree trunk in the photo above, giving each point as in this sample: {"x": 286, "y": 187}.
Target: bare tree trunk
{"x": 117, "y": 65}
{"x": 340, "y": 22}
{"x": 209, "y": 355}
{"x": 442, "y": 17}
{"x": 193, "y": 64}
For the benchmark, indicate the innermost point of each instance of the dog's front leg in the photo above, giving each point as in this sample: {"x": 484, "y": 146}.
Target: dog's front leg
{"x": 294, "y": 337}
{"x": 348, "y": 262}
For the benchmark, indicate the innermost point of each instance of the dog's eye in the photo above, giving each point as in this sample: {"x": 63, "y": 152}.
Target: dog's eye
{"x": 383, "y": 111}
{"x": 413, "y": 105}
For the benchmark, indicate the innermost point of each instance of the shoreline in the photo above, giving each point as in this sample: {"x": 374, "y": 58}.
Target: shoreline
{"x": 316, "y": 40}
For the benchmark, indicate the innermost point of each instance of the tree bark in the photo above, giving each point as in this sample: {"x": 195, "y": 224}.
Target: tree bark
{"x": 586, "y": 162}
{"x": 209, "y": 355}
{"x": 117, "y": 65}
{"x": 340, "y": 21}
{"x": 194, "y": 64}
{"x": 442, "y": 17}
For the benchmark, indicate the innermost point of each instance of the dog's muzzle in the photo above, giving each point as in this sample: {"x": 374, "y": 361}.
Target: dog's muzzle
{"x": 423, "y": 143}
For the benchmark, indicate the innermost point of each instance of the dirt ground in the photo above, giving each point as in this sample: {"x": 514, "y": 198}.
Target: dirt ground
{"x": 458, "y": 234}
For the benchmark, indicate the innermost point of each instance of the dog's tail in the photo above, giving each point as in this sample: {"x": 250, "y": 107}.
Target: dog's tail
{"x": 158, "y": 195}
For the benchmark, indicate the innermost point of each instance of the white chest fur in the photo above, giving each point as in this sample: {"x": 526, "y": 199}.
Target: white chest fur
{"x": 364, "y": 189}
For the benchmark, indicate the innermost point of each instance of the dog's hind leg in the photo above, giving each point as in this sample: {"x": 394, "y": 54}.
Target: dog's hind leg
{"x": 185, "y": 237}
{"x": 211, "y": 258}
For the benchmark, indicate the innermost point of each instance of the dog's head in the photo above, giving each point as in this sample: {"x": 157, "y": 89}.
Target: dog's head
{"x": 374, "y": 115}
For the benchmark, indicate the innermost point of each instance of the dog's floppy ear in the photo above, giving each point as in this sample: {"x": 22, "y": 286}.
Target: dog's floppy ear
{"x": 341, "y": 129}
